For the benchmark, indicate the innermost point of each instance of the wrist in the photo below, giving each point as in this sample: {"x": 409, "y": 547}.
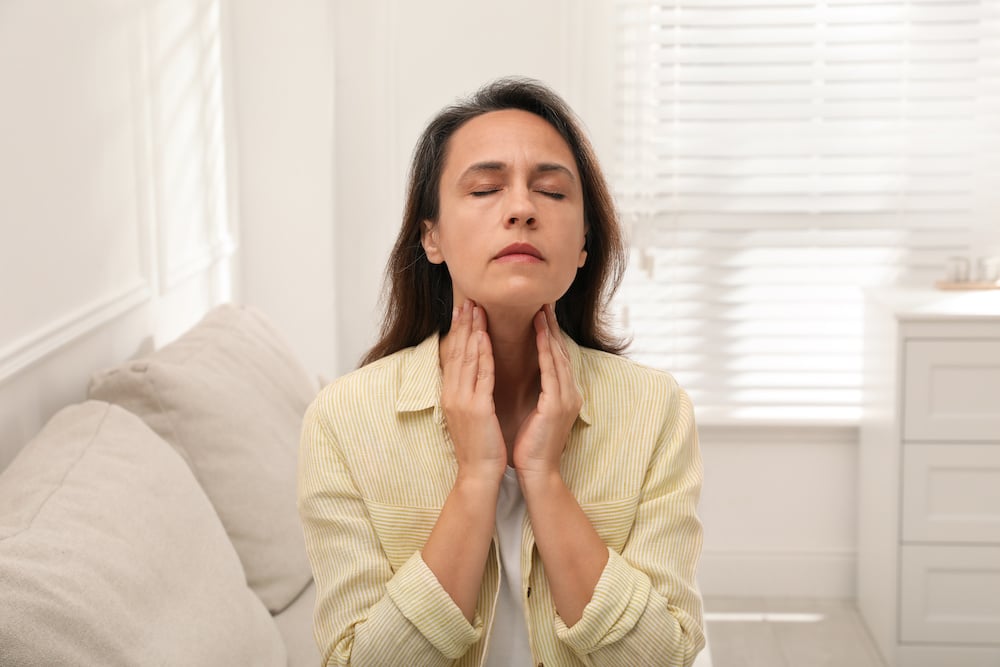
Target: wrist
{"x": 534, "y": 482}
{"x": 478, "y": 482}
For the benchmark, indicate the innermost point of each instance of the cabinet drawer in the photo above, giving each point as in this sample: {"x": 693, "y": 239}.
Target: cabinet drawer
{"x": 952, "y": 390}
{"x": 950, "y": 594}
{"x": 951, "y": 493}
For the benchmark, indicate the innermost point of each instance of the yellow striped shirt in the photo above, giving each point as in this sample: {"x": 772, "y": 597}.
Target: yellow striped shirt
{"x": 376, "y": 465}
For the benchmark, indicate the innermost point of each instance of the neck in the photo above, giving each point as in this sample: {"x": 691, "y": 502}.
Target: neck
{"x": 515, "y": 357}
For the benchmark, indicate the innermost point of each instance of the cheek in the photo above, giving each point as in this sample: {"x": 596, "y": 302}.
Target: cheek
{"x": 455, "y": 245}
{"x": 454, "y": 229}
{"x": 460, "y": 252}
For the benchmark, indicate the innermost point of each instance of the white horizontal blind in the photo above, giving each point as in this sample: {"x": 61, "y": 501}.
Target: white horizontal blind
{"x": 775, "y": 158}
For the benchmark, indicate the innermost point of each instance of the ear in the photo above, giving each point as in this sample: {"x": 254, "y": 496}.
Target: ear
{"x": 429, "y": 240}
{"x": 583, "y": 251}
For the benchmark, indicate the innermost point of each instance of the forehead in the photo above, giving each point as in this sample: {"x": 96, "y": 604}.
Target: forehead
{"x": 510, "y": 136}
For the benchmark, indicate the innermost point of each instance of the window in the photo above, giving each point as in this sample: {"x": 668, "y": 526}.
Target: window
{"x": 775, "y": 159}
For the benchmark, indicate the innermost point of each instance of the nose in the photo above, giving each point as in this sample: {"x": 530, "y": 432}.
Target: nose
{"x": 513, "y": 220}
{"x": 521, "y": 209}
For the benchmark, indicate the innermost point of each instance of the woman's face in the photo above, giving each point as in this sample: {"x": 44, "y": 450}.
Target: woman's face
{"x": 510, "y": 226}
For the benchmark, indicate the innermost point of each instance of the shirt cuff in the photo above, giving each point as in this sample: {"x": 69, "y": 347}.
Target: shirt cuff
{"x": 618, "y": 602}
{"x": 419, "y": 596}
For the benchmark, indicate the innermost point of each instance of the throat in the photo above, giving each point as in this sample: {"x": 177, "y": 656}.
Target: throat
{"x": 510, "y": 425}
{"x": 517, "y": 378}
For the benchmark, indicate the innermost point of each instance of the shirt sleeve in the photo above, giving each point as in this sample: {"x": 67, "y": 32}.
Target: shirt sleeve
{"x": 366, "y": 614}
{"x": 646, "y": 608}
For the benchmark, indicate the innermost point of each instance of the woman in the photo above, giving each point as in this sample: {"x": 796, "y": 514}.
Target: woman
{"x": 495, "y": 485}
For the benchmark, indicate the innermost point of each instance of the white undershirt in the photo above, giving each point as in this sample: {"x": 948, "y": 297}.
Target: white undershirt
{"x": 508, "y": 643}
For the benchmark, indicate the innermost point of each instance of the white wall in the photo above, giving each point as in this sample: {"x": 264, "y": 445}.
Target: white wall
{"x": 158, "y": 157}
{"x": 779, "y": 507}
{"x": 117, "y": 231}
{"x": 283, "y": 84}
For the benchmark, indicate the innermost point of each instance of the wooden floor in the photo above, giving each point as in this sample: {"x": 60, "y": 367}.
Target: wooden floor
{"x": 796, "y": 632}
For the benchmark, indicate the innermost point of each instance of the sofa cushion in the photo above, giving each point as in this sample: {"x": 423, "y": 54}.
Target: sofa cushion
{"x": 230, "y": 396}
{"x": 111, "y": 554}
{"x": 295, "y": 624}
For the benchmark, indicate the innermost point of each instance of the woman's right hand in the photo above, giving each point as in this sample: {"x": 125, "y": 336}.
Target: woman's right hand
{"x": 457, "y": 548}
{"x": 467, "y": 396}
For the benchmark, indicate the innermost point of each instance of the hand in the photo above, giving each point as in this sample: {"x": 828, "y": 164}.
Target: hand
{"x": 542, "y": 436}
{"x": 467, "y": 396}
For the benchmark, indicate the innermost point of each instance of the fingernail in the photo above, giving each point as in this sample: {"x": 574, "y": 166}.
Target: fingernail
{"x": 475, "y": 313}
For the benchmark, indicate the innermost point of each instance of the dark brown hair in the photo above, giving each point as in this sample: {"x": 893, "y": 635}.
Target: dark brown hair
{"x": 420, "y": 294}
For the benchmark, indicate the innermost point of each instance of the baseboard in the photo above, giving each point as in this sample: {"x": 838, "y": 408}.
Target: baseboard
{"x": 828, "y": 574}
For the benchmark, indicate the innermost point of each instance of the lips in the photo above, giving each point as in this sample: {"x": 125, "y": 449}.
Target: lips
{"x": 520, "y": 249}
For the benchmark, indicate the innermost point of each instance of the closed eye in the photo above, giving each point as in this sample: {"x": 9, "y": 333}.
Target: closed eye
{"x": 484, "y": 193}
{"x": 552, "y": 194}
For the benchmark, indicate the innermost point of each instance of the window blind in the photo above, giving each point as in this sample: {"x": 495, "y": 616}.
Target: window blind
{"x": 774, "y": 160}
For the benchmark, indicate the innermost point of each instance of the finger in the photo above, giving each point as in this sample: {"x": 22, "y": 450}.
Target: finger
{"x": 479, "y": 320}
{"x": 460, "y": 328}
{"x": 554, "y": 332}
{"x": 470, "y": 357}
{"x": 569, "y": 394}
{"x": 448, "y": 346}
{"x": 564, "y": 370}
{"x": 456, "y": 341}
{"x": 485, "y": 377}
{"x": 546, "y": 360}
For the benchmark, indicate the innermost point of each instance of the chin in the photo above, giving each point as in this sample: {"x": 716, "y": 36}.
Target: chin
{"x": 529, "y": 308}
{"x": 529, "y": 304}
{"x": 517, "y": 296}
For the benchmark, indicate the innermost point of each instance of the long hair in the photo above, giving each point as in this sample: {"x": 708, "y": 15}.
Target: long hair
{"x": 419, "y": 293}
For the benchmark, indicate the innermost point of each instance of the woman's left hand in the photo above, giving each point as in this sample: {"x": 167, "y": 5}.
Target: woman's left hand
{"x": 542, "y": 437}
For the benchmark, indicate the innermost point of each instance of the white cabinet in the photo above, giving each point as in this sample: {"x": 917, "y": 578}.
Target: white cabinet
{"x": 951, "y": 494}
{"x": 950, "y": 594}
{"x": 929, "y": 478}
{"x": 952, "y": 389}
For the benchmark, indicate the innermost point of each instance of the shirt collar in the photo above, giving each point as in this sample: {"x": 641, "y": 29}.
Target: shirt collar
{"x": 421, "y": 386}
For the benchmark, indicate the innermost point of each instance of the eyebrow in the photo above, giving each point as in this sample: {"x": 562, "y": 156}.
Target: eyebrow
{"x": 500, "y": 166}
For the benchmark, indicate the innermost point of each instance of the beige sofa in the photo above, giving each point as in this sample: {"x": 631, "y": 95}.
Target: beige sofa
{"x": 155, "y": 524}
